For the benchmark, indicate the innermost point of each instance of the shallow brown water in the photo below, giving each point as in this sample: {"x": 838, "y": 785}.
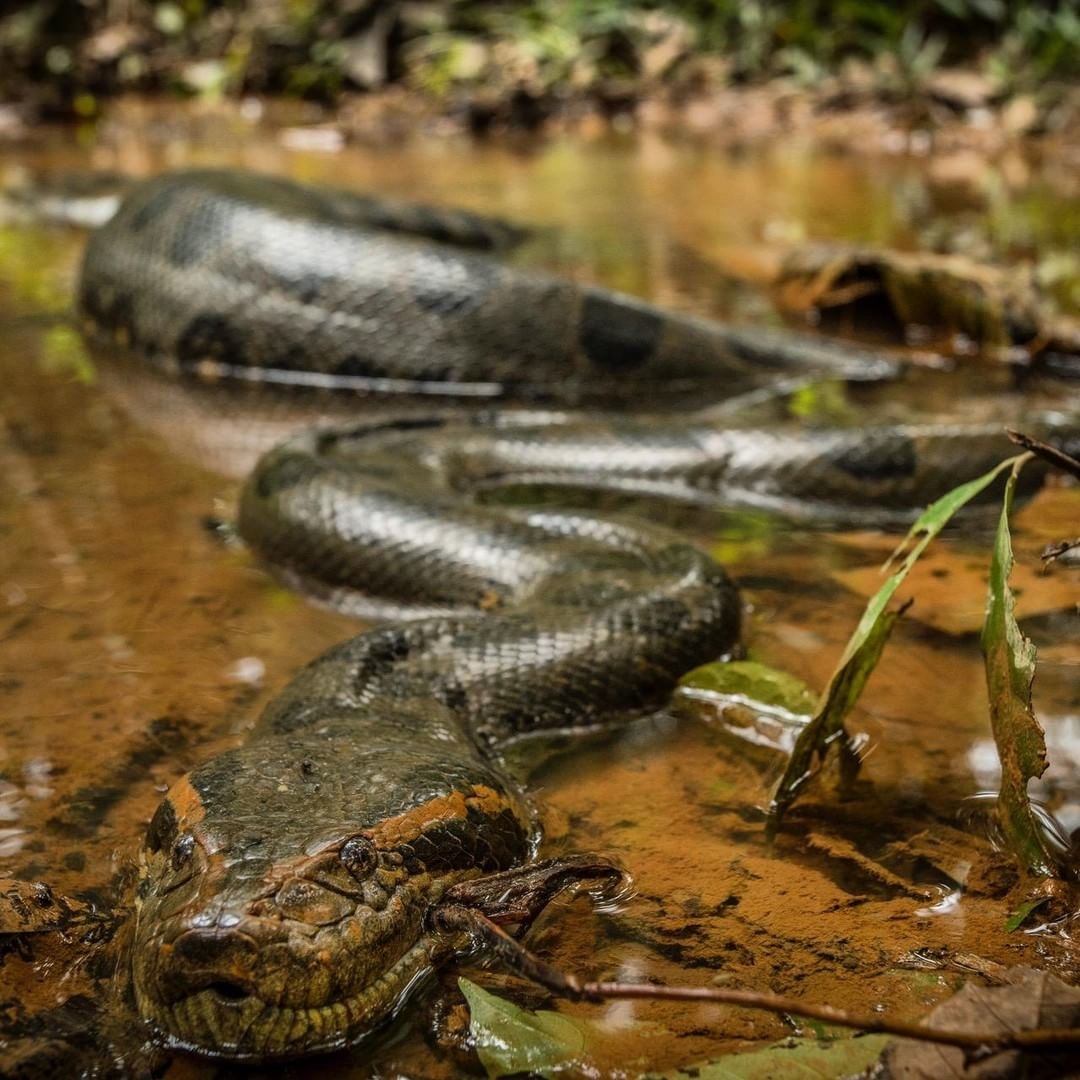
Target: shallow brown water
{"x": 134, "y": 643}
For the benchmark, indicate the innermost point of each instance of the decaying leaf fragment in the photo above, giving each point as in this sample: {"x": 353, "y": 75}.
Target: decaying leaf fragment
{"x": 1030, "y": 1000}
{"x": 994, "y": 306}
{"x": 31, "y": 907}
{"x": 1010, "y": 671}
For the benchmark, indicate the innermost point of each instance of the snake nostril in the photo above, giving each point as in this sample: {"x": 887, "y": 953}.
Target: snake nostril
{"x": 223, "y": 962}
{"x": 210, "y": 947}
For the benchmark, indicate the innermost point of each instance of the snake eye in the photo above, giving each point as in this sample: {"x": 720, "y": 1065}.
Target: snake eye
{"x": 358, "y": 856}
{"x": 182, "y": 849}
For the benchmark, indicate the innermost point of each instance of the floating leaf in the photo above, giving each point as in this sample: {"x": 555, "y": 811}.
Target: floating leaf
{"x": 794, "y": 1057}
{"x": 865, "y": 645}
{"x": 750, "y": 680}
{"x": 751, "y": 701}
{"x": 1010, "y": 670}
{"x": 513, "y": 1040}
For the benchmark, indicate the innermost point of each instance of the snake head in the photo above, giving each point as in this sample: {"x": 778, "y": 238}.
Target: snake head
{"x": 283, "y": 903}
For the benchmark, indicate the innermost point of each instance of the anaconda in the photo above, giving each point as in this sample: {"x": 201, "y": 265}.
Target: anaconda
{"x": 297, "y": 889}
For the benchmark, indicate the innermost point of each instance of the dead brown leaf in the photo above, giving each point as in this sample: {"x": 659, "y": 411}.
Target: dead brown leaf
{"x": 1031, "y": 1000}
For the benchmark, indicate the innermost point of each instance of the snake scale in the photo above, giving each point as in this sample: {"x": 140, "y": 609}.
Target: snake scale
{"x": 299, "y": 887}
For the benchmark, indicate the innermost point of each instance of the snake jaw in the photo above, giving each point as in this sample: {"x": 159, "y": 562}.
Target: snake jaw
{"x": 299, "y": 964}
{"x": 262, "y": 990}
{"x": 231, "y": 1019}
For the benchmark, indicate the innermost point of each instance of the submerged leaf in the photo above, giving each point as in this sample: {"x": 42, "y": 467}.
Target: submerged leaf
{"x": 513, "y": 1040}
{"x": 1010, "y": 670}
{"x": 750, "y": 701}
{"x": 864, "y": 647}
{"x": 794, "y": 1057}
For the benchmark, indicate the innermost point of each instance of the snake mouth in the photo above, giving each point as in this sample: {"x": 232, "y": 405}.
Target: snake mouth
{"x": 223, "y": 1016}
{"x": 226, "y": 990}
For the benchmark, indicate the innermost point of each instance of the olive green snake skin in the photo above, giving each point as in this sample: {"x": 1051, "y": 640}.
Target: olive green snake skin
{"x": 298, "y": 888}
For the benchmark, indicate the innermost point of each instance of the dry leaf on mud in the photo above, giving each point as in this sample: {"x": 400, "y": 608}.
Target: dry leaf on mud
{"x": 1032, "y": 999}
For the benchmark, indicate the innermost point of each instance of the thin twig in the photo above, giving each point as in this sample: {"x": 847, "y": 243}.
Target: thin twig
{"x": 1057, "y": 457}
{"x": 986, "y": 1041}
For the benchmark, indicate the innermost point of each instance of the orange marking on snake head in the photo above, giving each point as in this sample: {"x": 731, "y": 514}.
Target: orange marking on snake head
{"x": 408, "y": 826}
{"x": 187, "y": 804}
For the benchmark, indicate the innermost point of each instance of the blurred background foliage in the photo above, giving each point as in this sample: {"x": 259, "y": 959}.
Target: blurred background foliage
{"x": 68, "y": 54}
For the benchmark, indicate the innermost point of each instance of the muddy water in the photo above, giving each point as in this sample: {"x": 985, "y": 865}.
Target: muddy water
{"x": 133, "y": 642}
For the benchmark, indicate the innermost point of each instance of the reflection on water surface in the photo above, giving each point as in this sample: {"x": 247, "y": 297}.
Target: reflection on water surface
{"x": 135, "y": 643}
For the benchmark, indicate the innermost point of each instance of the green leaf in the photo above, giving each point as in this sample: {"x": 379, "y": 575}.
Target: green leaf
{"x": 1010, "y": 669}
{"x": 864, "y": 647}
{"x": 1017, "y": 918}
{"x": 750, "y": 681}
{"x": 512, "y": 1040}
{"x": 807, "y": 1058}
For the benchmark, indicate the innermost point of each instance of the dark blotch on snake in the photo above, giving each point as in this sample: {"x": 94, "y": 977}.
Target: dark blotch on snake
{"x": 891, "y": 458}
{"x": 616, "y": 334}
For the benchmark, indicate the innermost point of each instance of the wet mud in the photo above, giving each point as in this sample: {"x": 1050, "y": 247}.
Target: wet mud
{"x": 134, "y": 641}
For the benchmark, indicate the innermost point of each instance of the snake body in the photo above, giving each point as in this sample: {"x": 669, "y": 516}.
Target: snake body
{"x": 286, "y": 905}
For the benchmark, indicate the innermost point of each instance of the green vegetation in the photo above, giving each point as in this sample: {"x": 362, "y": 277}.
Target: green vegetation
{"x": 863, "y": 650}
{"x": 71, "y": 55}
{"x": 512, "y": 1041}
{"x": 1010, "y": 669}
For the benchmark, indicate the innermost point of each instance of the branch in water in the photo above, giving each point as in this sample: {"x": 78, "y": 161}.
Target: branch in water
{"x": 1063, "y": 461}
{"x": 983, "y": 1041}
